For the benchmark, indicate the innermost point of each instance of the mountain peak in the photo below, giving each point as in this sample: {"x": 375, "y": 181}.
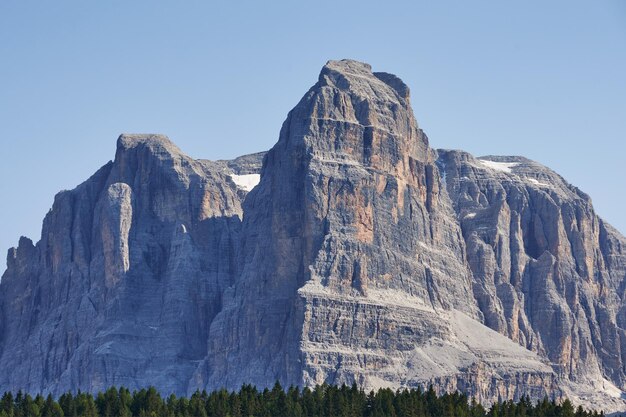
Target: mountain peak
{"x": 358, "y": 78}
{"x": 131, "y": 147}
{"x": 153, "y": 140}
{"x": 349, "y": 66}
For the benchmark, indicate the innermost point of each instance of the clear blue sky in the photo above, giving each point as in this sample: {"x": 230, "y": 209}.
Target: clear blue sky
{"x": 543, "y": 79}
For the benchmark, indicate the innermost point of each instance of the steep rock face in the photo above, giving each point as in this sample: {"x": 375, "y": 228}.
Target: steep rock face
{"x": 127, "y": 277}
{"x": 361, "y": 255}
{"x": 352, "y": 256}
{"x": 548, "y": 272}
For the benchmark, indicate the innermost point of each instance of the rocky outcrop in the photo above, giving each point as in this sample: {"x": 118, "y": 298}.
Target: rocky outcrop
{"x": 548, "y": 272}
{"x": 350, "y": 252}
{"x": 127, "y": 277}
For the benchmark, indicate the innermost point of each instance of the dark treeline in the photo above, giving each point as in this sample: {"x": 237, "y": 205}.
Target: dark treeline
{"x": 325, "y": 400}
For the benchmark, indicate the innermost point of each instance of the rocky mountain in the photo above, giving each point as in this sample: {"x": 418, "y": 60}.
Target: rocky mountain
{"x": 351, "y": 251}
{"x": 547, "y": 271}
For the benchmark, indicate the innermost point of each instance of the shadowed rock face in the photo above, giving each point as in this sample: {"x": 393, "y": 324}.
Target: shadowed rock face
{"x": 127, "y": 277}
{"x": 361, "y": 255}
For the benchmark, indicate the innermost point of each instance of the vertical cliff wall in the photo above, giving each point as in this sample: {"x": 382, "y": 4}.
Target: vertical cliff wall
{"x": 127, "y": 277}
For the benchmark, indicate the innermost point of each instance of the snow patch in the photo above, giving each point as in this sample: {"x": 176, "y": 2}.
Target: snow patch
{"x": 539, "y": 183}
{"x": 499, "y": 166}
{"x": 469, "y": 216}
{"x": 246, "y": 182}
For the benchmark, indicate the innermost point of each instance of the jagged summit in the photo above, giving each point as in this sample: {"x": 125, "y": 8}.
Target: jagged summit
{"x": 129, "y": 140}
{"x": 20, "y": 254}
{"x": 153, "y": 143}
{"x": 349, "y": 65}
{"x": 340, "y": 73}
{"x": 354, "y": 114}
{"x": 354, "y": 75}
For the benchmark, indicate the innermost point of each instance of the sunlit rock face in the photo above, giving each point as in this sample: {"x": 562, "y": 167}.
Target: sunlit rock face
{"x": 350, "y": 252}
{"x": 548, "y": 272}
{"x": 349, "y": 207}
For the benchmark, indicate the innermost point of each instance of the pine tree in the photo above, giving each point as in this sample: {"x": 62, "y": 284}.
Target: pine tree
{"x": 324, "y": 400}
{"x": 6, "y": 404}
{"x": 197, "y": 405}
{"x": 51, "y": 408}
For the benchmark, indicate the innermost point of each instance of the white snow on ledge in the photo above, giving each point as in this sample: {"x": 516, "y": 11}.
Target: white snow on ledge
{"x": 499, "y": 166}
{"x": 539, "y": 183}
{"x": 246, "y": 182}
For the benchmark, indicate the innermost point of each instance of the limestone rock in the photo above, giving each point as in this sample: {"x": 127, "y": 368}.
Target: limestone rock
{"x": 548, "y": 272}
{"x": 351, "y": 251}
{"x": 127, "y": 277}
